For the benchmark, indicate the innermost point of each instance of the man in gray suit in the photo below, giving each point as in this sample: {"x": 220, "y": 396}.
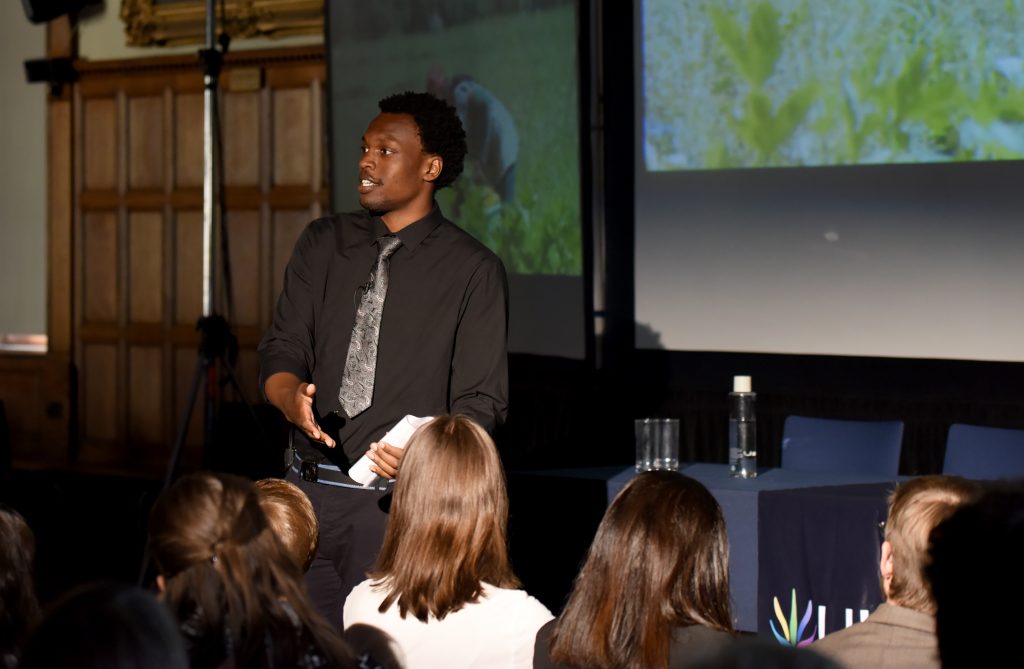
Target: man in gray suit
{"x": 901, "y": 632}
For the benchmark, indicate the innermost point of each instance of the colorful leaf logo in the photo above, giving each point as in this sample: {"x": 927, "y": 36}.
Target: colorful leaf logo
{"x": 792, "y": 635}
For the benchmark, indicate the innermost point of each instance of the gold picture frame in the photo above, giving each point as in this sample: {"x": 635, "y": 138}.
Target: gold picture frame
{"x": 177, "y": 22}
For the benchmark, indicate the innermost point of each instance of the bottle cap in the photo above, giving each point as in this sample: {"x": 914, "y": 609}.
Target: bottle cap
{"x": 741, "y": 384}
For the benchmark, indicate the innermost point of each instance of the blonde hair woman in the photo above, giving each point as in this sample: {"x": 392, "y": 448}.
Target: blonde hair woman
{"x": 291, "y": 516}
{"x": 444, "y": 589}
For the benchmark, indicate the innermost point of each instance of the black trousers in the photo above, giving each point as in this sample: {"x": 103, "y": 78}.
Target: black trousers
{"x": 352, "y": 522}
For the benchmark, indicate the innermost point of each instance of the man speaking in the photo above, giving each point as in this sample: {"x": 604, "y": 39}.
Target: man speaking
{"x": 386, "y": 312}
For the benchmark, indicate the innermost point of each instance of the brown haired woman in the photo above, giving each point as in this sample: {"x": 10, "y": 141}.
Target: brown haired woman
{"x": 444, "y": 589}
{"x": 236, "y": 594}
{"x": 655, "y": 587}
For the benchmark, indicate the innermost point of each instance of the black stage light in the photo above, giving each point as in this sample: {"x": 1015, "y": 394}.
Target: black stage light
{"x": 54, "y": 71}
{"x": 41, "y": 11}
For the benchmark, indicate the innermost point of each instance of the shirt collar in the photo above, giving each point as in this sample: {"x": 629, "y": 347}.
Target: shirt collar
{"x": 412, "y": 234}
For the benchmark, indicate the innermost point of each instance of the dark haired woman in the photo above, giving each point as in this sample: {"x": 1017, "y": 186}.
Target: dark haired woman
{"x": 654, "y": 590}
{"x": 235, "y": 592}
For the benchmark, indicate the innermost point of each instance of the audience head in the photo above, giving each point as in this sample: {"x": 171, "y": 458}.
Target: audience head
{"x": 450, "y": 511}
{"x": 660, "y": 560}
{"x": 291, "y": 517}
{"x": 105, "y": 626}
{"x": 225, "y": 576}
{"x": 977, "y": 581}
{"x": 915, "y": 508}
{"x": 367, "y": 641}
{"x": 18, "y": 605}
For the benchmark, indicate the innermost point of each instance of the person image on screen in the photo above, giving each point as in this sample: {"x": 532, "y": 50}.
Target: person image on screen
{"x": 901, "y": 631}
{"x": 492, "y": 137}
{"x": 653, "y": 592}
{"x": 437, "y": 344}
{"x": 443, "y": 588}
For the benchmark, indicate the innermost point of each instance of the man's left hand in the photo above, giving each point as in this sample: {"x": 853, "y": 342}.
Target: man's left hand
{"x": 386, "y": 459}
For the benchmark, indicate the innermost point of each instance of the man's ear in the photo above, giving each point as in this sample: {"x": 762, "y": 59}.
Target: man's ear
{"x": 161, "y": 584}
{"x": 885, "y": 567}
{"x": 434, "y": 166}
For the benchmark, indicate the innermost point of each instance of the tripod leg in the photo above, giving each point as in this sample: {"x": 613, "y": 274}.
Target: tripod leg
{"x": 186, "y": 417}
{"x": 179, "y": 441}
{"x": 261, "y": 428}
{"x": 211, "y": 401}
{"x": 241, "y": 393}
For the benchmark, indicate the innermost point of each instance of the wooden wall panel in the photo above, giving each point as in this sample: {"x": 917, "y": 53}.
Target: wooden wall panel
{"x": 292, "y": 137}
{"x": 99, "y": 267}
{"x": 21, "y": 391}
{"x": 145, "y": 142}
{"x": 99, "y": 142}
{"x": 287, "y": 227}
{"x": 35, "y": 390}
{"x": 145, "y": 267}
{"x": 242, "y": 138}
{"x": 188, "y": 140}
{"x": 244, "y": 234}
{"x": 188, "y": 267}
{"x": 145, "y": 395}
{"x": 99, "y": 383}
{"x": 185, "y": 359}
{"x": 319, "y": 148}
{"x": 138, "y": 257}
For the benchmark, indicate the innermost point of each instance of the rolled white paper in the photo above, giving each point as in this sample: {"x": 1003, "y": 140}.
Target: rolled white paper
{"x": 397, "y": 436}
{"x": 741, "y": 384}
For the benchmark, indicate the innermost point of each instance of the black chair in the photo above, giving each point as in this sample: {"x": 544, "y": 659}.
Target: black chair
{"x": 979, "y": 452}
{"x": 828, "y": 445}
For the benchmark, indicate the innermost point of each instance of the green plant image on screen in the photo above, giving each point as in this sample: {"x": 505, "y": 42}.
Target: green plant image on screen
{"x": 510, "y": 72}
{"x": 759, "y": 83}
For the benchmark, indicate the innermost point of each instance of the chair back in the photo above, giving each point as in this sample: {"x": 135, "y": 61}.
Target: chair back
{"x": 828, "y": 445}
{"x": 978, "y": 452}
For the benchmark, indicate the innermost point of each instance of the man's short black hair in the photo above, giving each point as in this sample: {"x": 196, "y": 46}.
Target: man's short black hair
{"x": 440, "y": 130}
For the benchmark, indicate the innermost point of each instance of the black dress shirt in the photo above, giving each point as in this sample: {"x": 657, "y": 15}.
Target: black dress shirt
{"x": 443, "y": 335}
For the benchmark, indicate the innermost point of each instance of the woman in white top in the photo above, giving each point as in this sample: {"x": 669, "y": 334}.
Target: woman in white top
{"x": 443, "y": 588}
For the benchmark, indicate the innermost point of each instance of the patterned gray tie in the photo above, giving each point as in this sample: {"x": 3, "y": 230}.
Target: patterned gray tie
{"x": 356, "y": 391}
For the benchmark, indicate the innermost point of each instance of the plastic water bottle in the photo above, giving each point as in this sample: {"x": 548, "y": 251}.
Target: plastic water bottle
{"x": 742, "y": 429}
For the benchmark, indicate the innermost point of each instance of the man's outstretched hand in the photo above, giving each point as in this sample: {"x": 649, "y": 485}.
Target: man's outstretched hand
{"x": 294, "y": 398}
